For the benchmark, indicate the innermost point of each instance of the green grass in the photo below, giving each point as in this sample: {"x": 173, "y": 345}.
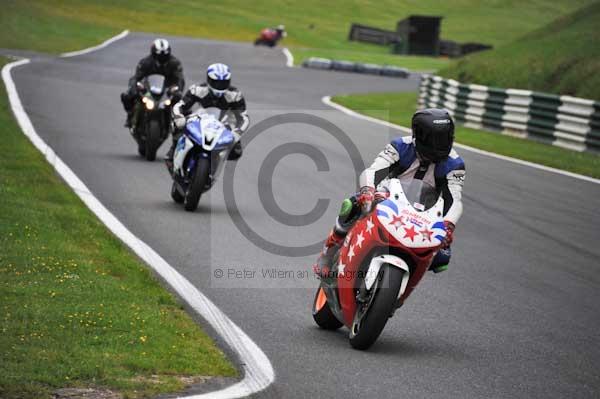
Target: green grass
{"x": 61, "y": 25}
{"x": 562, "y": 57}
{"x": 400, "y": 107}
{"x": 77, "y": 309}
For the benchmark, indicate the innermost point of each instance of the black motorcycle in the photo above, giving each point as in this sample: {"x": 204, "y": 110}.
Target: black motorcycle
{"x": 152, "y": 115}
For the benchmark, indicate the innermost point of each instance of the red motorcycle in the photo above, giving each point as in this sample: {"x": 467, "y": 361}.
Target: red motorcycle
{"x": 383, "y": 258}
{"x": 270, "y": 37}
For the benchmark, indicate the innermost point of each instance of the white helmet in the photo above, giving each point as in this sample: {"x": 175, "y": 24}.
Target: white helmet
{"x": 218, "y": 78}
{"x": 160, "y": 50}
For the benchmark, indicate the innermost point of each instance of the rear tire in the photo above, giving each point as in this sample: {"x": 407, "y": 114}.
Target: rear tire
{"x": 152, "y": 139}
{"x": 322, "y": 313}
{"x": 176, "y": 195}
{"x": 365, "y": 332}
{"x": 194, "y": 191}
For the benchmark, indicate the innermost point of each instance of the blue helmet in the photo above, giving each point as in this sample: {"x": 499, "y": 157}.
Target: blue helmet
{"x": 218, "y": 78}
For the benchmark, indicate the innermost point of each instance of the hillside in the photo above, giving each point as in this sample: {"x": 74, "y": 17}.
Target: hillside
{"x": 562, "y": 57}
{"x": 61, "y": 25}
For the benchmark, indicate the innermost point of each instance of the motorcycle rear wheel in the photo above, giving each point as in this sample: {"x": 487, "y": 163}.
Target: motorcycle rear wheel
{"x": 322, "y": 313}
{"x": 367, "y": 327}
{"x": 152, "y": 139}
{"x": 194, "y": 191}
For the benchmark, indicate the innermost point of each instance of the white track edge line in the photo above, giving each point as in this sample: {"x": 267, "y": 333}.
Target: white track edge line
{"x": 98, "y": 47}
{"x": 327, "y": 101}
{"x": 258, "y": 371}
{"x": 289, "y": 57}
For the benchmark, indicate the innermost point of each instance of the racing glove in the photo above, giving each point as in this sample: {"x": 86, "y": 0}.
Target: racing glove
{"x": 139, "y": 86}
{"x": 381, "y": 195}
{"x": 366, "y": 197}
{"x": 449, "y": 226}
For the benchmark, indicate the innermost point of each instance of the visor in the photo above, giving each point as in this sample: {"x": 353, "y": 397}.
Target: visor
{"x": 219, "y": 84}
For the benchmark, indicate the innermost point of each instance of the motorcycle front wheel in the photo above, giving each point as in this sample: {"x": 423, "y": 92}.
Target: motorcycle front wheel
{"x": 152, "y": 139}
{"x": 199, "y": 180}
{"x": 370, "y": 317}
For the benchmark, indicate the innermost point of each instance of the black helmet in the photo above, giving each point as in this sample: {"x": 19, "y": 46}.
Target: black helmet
{"x": 433, "y": 133}
{"x": 160, "y": 50}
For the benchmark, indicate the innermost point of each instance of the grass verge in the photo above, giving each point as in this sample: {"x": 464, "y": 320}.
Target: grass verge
{"x": 77, "y": 309}
{"x": 401, "y": 106}
{"x": 562, "y": 58}
{"x": 315, "y": 27}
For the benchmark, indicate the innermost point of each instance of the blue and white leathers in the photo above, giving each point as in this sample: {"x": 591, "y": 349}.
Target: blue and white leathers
{"x": 204, "y": 137}
{"x": 399, "y": 160}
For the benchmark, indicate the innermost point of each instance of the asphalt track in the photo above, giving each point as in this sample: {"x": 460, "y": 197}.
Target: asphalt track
{"x": 516, "y": 316}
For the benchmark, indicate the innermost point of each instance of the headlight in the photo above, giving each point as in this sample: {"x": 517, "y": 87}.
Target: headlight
{"x": 149, "y": 103}
{"x": 168, "y": 102}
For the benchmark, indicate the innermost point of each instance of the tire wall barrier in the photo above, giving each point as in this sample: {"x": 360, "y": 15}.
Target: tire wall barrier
{"x": 358, "y": 67}
{"x": 563, "y": 121}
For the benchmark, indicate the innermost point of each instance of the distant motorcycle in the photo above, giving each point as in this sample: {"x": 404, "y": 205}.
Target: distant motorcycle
{"x": 152, "y": 116}
{"x": 270, "y": 36}
{"x": 383, "y": 258}
{"x": 199, "y": 156}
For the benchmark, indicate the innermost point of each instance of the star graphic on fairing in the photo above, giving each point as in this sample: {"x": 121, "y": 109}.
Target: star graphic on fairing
{"x": 426, "y": 234}
{"x": 397, "y": 222}
{"x": 370, "y": 225}
{"x": 341, "y": 268}
{"x": 359, "y": 239}
{"x": 351, "y": 253}
{"x": 410, "y": 233}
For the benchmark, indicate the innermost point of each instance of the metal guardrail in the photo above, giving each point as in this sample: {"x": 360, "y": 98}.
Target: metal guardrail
{"x": 358, "y": 67}
{"x": 563, "y": 121}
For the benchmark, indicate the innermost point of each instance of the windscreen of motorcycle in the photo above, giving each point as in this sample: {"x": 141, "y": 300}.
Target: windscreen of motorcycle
{"x": 420, "y": 194}
{"x": 156, "y": 84}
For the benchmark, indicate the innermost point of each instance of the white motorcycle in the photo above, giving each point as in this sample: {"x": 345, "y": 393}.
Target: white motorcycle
{"x": 199, "y": 156}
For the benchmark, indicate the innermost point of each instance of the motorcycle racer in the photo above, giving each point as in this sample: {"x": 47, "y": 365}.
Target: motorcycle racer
{"x": 216, "y": 92}
{"x": 270, "y": 36}
{"x": 160, "y": 61}
{"x": 427, "y": 155}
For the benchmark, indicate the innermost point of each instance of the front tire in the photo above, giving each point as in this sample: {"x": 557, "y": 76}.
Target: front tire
{"x": 366, "y": 329}
{"x": 322, "y": 313}
{"x": 152, "y": 139}
{"x": 194, "y": 191}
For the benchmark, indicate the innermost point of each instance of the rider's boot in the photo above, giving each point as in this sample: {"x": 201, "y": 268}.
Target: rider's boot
{"x": 128, "y": 118}
{"x": 323, "y": 267}
{"x": 441, "y": 260}
{"x": 169, "y": 157}
{"x": 236, "y": 152}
